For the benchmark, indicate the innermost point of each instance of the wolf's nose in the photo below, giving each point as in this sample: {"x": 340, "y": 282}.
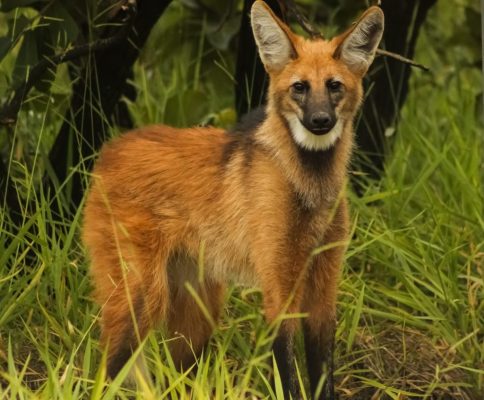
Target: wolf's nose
{"x": 322, "y": 121}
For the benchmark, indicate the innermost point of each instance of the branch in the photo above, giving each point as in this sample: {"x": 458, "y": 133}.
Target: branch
{"x": 288, "y": 5}
{"x": 10, "y": 110}
{"x": 402, "y": 59}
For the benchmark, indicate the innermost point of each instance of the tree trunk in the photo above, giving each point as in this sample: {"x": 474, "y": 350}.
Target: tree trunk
{"x": 250, "y": 76}
{"x": 387, "y": 84}
{"x": 94, "y": 102}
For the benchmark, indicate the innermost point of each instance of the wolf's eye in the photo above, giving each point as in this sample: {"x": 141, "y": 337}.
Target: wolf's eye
{"x": 334, "y": 86}
{"x": 299, "y": 87}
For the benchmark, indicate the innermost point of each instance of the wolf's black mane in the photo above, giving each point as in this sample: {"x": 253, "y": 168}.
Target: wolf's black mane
{"x": 249, "y": 122}
{"x": 242, "y": 136}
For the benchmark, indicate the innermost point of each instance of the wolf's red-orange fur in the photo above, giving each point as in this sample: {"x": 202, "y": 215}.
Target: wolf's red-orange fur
{"x": 258, "y": 202}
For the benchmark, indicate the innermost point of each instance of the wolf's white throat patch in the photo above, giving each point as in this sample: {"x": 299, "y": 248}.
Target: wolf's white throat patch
{"x": 309, "y": 140}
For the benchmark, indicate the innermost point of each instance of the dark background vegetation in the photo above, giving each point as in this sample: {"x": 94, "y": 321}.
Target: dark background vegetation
{"x": 102, "y": 40}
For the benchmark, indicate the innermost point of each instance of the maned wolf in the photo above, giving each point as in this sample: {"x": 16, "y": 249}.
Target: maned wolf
{"x": 259, "y": 199}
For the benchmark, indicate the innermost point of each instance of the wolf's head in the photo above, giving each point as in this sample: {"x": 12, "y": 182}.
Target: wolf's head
{"x": 315, "y": 85}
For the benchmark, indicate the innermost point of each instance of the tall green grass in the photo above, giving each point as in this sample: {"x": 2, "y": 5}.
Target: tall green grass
{"x": 410, "y": 307}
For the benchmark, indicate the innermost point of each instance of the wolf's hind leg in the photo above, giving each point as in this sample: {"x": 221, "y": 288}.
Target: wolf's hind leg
{"x": 191, "y": 325}
{"x": 137, "y": 303}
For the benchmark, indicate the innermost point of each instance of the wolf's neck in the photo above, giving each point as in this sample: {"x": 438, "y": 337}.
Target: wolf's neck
{"x": 316, "y": 176}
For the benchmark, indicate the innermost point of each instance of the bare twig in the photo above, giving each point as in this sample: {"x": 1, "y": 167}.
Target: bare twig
{"x": 288, "y": 5}
{"x": 8, "y": 113}
{"x": 402, "y": 59}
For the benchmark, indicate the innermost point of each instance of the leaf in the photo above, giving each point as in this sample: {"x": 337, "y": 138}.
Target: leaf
{"x": 62, "y": 26}
{"x": 5, "y": 43}
{"x": 473, "y": 21}
{"x": 219, "y": 7}
{"x": 190, "y": 4}
{"x": 27, "y": 57}
{"x": 45, "y": 50}
{"x": 15, "y": 30}
{"x": 221, "y": 36}
{"x": 56, "y": 30}
{"x": 186, "y": 108}
{"x": 9, "y": 5}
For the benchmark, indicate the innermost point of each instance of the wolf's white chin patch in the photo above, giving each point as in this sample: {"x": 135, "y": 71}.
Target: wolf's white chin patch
{"x": 310, "y": 141}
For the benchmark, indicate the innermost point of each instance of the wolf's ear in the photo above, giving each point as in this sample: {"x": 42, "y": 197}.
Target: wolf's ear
{"x": 358, "y": 45}
{"x": 274, "y": 39}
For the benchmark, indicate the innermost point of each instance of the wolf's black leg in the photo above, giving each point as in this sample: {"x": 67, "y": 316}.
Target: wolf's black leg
{"x": 319, "y": 360}
{"x": 283, "y": 349}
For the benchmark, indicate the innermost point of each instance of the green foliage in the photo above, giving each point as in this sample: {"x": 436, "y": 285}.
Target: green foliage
{"x": 9, "y": 5}
{"x": 40, "y": 34}
{"x": 194, "y": 87}
{"x": 423, "y": 267}
{"x": 455, "y": 54}
{"x": 410, "y": 305}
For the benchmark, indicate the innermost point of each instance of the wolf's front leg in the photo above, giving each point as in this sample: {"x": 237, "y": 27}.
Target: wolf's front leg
{"x": 283, "y": 294}
{"x": 319, "y": 326}
{"x": 283, "y": 349}
{"x": 319, "y": 348}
